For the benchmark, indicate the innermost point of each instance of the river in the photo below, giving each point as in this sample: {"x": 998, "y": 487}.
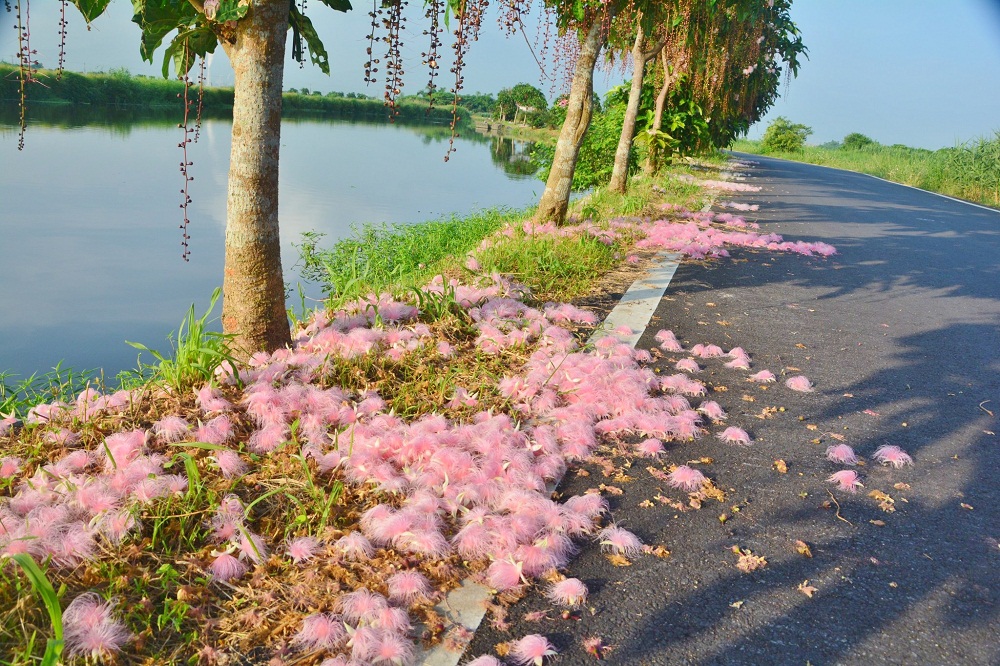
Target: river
{"x": 90, "y": 245}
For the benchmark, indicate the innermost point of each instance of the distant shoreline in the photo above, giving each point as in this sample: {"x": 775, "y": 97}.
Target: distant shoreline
{"x": 122, "y": 90}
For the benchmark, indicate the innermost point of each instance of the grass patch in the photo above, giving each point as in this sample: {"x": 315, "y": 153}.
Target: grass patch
{"x": 970, "y": 171}
{"x": 399, "y": 256}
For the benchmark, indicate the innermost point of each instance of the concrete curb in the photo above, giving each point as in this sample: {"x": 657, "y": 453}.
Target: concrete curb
{"x": 465, "y": 606}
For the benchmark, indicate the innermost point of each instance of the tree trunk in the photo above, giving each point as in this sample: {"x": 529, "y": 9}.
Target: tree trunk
{"x": 619, "y": 174}
{"x": 555, "y": 199}
{"x": 653, "y": 157}
{"x": 253, "y": 306}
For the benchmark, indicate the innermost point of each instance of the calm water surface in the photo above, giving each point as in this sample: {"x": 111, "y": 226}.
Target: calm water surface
{"x": 90, "y": 245}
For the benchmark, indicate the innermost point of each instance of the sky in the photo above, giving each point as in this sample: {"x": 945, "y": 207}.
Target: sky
{"x": 923, "y": 73}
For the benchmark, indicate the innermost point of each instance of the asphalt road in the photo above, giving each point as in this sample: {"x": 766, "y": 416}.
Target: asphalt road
{"x": 900, "y": 333}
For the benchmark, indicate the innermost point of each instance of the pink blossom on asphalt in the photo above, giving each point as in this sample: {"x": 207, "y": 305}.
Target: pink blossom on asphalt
{"x": 892, "y": 455}
{"x": 762, "y": 377}
{"x": 841, "y": 453}
{"x": 686, "y": 478}
{"x": 846, "y": 480}
{"x": 619, "y": 541}
{"x": 799, "y": 383}
{"x": 532, "y": 650}
{"x": 569, "y": 592}
{"x": 734, "y": 435}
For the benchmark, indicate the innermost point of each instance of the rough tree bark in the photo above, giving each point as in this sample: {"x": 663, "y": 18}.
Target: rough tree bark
{"x": 254, "y": 296}
{"x": 653, "y": 157}
{"x": 555, "y": 199}
{"x": 619, "y": 174}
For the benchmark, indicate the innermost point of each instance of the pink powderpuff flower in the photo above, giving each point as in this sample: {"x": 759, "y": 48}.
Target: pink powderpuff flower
{"x": 391, "y": 650}
{"x": 619, "y": 541}
{"x": 590, "y": 505}
{"x": 268, "y": 438}
{"x": 225, "y": 567}
{"x": 570, "y": 592}
{"x": 892, "y": 455}
{"x": 9, "y": 466}
{"x": 89, "y": 630}
{"x": 116, "y": 525}
{"x": 623, "y": 331}
{"x": 210, "y": 399}
{"x": 362, "y": 641}
{"x": 841, "y": 453}
{"x": 799, "y": 383}
{"x": 216, "y": 431}
{"x": 532, "y": 650}
{"x": 391, "y": 620}
{"x": 358, "y": 605}
{"x": 739, "y": 363}
{"x": 171, "y": 429}
{"x": 252, "y": 546}
{"x": 505, "y": 574}
{"x": 355, "y": 547}
{"x": 230, "y": 464}
{"x": 632, "y": 259}
{"x": 734, "y": 435}
{"x": 320, "y": 631}
{"x": 649, "y": 448}
{"x": 302, "y": 549}
{"x": 407, "y": 587}
{"x": 712, "y": 410}
{"x": 846, "y": 479}
{"x": 707, "y": 351}
{"x": 686, "y": 478}
{"x": 687, "y": 365}
{"x": 668, "y": 341}
{"x": 762, "y": 377}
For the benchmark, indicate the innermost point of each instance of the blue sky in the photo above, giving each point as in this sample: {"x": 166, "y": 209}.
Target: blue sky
{"x": 919, "y": 72}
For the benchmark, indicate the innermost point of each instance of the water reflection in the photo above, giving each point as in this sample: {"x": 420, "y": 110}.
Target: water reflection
{"x": 91, "y": 245}
{"x": 513, "y": 156}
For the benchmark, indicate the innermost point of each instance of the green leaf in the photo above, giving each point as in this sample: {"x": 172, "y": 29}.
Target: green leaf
{"x": 207, "y": 446}
{"x": 157, "y": 19}
{"x": 43, "y": 588}
{"x": 186, "y": 47}
{"x": 339, "y": 5}
{"x": 230, "y": 10}
{"x": 91, "y": 9}
{"x": 301, "y": 25}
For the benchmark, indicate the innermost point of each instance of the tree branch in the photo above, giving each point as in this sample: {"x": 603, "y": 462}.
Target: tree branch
{"x": 653, "y": 52}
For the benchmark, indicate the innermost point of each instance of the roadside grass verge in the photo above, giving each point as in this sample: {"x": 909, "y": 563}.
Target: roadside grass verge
{"x": 144, "y": 496}
{"x": 969, "y": 171}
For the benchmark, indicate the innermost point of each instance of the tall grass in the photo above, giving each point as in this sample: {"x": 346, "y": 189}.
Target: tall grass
{"x": 378, "y": 257}
{"x": 968, "y": 171}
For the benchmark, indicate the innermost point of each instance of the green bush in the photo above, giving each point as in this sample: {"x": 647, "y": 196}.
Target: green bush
{"x": 784, "y": 136}
{"x": 856, "y": 140}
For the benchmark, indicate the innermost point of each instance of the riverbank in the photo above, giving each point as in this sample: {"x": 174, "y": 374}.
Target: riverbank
{"x": 401, "y": 445}
{"x": 120, "y": 89}
{"x": 970, "y": 171}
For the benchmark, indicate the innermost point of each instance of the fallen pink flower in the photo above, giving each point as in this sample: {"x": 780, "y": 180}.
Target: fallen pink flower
{"x": 686, "y": 478}
{"x": 846, "y": 480}
{"x": 799, "y": 383}
{"x": 532, "y": 650}
{"x": 892, "y": 455}
{"x": 841, "y": 453}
